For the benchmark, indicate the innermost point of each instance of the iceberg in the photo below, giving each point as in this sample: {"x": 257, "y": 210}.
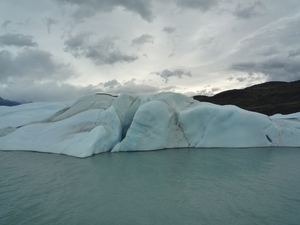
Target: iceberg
{"x": 105, "y": 123}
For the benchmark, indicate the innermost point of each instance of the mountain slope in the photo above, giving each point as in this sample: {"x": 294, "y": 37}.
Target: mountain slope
{"x": 268, "y": 98}
{"x": 8, "y": 103}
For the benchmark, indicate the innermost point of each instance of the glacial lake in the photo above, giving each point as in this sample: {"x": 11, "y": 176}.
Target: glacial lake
{"x": 176, "y": 186}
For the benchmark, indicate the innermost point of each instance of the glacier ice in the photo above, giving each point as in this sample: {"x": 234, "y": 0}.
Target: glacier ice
{"x": 23, "y": 114}
{"x": 102, "y": 123}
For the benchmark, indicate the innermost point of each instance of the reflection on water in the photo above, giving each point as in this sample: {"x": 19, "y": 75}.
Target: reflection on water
{"x": 180, "y": 186}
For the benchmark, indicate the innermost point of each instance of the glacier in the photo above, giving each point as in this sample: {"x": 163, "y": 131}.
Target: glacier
{"x": 104, "y": 123}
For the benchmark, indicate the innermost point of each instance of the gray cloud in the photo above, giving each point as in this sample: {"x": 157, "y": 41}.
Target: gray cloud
{"x": 250, "y": 11}
{"x": 145, "y": 38}
{"x": 203, "y": 5}
{"x": 88, "y": 8}
{"x": 215, "y": 89}
{"x": 49, "y": 22}
{"x": 18, "y": 40}
{"x": 206, "y": 92}
{"x": 133, "y": 86}
{"x": 268, "y": 50}
{"x": 241, "y": 79}
{"x": 275, "y": 68}
{"x": 100, "y": 56}
{"x": 166, "y": 74}
{"x": 271, "y": 52}
{"x": 5, "y": 24}
{"x": 32, "y": 64}
{"x": 111, "y": 83}
{"x": 103, "y": 52}
{"x": 294, "y": 53}
{"x": 30, "y": 90}
{"x": 250, "y": 79}
{"x": 169, "y": 30}
{"x": 77, "y": 44}
{"x": 6, "y": 65}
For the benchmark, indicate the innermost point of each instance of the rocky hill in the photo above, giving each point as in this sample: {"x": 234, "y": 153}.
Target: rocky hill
{"x": 268, "y": 98}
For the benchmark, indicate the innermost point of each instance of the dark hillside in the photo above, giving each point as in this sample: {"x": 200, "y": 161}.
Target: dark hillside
{"x": 8, "y": 103}
{"x": 267, "y": 98}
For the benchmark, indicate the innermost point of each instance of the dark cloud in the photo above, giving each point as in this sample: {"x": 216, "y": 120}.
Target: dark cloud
{"x": 88, "y": 8}
{"x": 49, "y": 22}
{"x": 18, "y": 40}
{"x": 275, "y": 68}
{"x": 166, "y": 74}
{"x": 145, "y": 38}
{"x": 6, "y": 23}
{"x": 32, "y": 64}
{"x": 250, "y": 11}
{"x": 102, "y": 52}
{"x": 203, "y": 5}
{"x": 169, "y": 30}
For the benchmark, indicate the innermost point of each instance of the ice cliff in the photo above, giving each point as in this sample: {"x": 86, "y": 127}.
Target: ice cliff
{"x": 102, "y": 123}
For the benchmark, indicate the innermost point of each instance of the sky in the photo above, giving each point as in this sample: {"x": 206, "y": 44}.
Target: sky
{"x": 58, "y": 50}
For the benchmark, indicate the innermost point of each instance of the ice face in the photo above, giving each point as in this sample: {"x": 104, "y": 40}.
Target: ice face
{"x": 101, "y": 123}
{"x": 172, "y": 120}
{"x": 86, "y": 133}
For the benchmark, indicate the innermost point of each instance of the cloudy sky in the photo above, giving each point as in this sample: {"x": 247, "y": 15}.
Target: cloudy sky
{"x": 54, "y": 50}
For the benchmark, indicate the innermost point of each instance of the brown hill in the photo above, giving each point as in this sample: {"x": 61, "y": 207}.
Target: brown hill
{"x": 268, "y": 98}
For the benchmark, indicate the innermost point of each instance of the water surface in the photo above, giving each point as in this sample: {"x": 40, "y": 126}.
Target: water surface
{"x": 178, "y": 186}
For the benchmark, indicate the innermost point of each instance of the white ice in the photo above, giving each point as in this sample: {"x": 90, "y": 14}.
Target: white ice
{"x": 292, "y": 116}
{"x": 102, "y": 123}
{"x": 23, "y": 114}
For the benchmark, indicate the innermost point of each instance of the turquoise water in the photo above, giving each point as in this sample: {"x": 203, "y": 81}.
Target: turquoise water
{"x": 182, "y": 186}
